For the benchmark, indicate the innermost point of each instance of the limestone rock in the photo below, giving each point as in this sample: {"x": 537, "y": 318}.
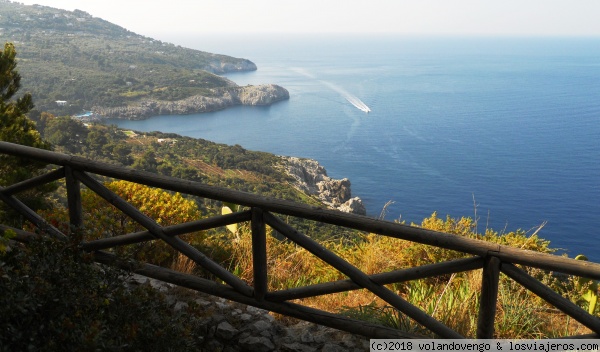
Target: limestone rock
{"x": 226, "y": 331}
{"x": 258, "y": 344}
{"x": 262, "y": 95}
{"x": 353, "y": 205}
{"x": 312, "y": 179}
{"x": 219, "y": 66}
{"x": 220, "y": 99}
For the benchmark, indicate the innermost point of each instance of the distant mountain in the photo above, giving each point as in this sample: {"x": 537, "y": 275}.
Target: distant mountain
{"x": 72, "y": 62}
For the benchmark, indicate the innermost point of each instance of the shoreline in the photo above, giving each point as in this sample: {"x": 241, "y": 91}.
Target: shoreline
{"x": 261, "y": 95}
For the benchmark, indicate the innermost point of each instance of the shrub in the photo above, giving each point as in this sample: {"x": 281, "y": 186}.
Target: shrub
{"x": 53, "y": 297}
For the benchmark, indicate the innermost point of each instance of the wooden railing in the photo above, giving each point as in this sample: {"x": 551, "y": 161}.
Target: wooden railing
{"x": 491, "y": 258}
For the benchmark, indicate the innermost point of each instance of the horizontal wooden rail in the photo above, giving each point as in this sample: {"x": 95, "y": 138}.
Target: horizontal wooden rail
{"x": 286, "y": 308}
{"x": 414, "y": 234}
{"x": 173, "y": 230}
{"x": 35, "y": 181}
{"x": 401, "y": 275}
{"x": 21, "y": 235}
{"x": 203, "y": 285}
{"x": 493, "y": 258}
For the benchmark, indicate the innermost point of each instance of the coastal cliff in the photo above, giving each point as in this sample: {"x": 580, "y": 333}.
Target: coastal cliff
{"x": 219, "y": 66}
{"x": 220, "y": 98}
{"x": 312, "y": 179}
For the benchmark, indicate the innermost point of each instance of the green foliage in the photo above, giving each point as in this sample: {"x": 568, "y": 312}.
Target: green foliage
{"x": 89, "y": 62}
{"x": 146, "y": 162}
{"x": 182, "y": 157}
{"x": 15, "y": 127}
{"x": 66, "y": 133}
{"x": 54, "y": 298}
{"x": 590, "y": 287}
{"x": 5, "y": 240}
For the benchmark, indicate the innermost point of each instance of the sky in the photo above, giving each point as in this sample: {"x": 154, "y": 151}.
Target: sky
{"x": 160, "y": 19}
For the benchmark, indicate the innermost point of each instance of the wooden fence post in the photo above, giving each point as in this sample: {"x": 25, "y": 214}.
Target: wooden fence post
{"x": 259, "y": 254}
{"x": 489, "y": 297}
{"x": 73, "y": 200}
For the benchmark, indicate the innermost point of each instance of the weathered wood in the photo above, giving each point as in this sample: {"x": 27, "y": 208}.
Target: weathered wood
{"x": 259, "y": 254}
{"x": 35, "y": 181}
{"x": 290, "y": 309}
{"x": 361, "y": 278}
{"x": 156, "y": 230}
{"x": 241, "y": 292}
{"x": 73, "y": 199}
{"x": 174, "y": 230}
{"x": 467, "y": 245}
{"x": 32, "y": 216}
{"x": 489, "y": 297}
{"x": 551, "y": 297}
{"x": 400, "y": 275}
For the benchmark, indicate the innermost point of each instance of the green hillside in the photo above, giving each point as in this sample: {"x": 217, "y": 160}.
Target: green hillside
{"x": 86, "y": 61}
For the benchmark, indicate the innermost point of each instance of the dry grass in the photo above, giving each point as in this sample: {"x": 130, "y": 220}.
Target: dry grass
{"x": 452, "y": 299}
{"x": 183, "y": 264}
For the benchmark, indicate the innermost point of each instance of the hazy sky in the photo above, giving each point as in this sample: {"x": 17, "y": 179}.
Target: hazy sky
{"x": 451, "y": 17}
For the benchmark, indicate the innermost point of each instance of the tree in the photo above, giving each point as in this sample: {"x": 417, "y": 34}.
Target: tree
{"x": 15, "y": 127}
{"x": 67, "y": 133}
{"x": 147, "y": 162}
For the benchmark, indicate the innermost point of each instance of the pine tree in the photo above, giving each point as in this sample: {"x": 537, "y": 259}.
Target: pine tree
{"x": 15, "y": 127}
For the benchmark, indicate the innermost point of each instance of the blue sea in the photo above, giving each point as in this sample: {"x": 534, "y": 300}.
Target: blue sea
{"x": 503, "y": 129}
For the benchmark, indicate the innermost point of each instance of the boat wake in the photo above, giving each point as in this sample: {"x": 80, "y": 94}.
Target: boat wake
{"x": 358, "y": 103}
{"x": 351, "y": 98}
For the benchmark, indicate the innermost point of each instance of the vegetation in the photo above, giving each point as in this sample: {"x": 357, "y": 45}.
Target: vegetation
{"x": 103, "y": 220}
{"x": 15, "y": 127}
{"x": 86, "y": 61}
{"x": 453, "y": 299}
{"x": 56, "y": 291}
{"x": 183, "y": 157}
{"x": 54, "y": 298}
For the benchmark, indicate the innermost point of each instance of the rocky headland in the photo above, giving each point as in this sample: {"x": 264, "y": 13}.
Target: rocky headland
{"x": 220, "y": 98}
{"x": 311, "y": 178}
{"x": 218, "y": 66}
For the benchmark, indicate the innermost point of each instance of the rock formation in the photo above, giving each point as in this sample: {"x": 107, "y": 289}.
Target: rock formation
{"x": 220, "y": 99}
{"x": 312, "y": 179}
{"x": 218, "y": 66}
